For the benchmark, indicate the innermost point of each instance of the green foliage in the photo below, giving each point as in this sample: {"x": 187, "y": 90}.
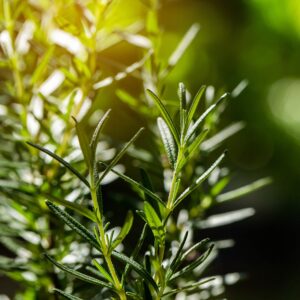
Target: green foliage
{"x": 59, "y": 176}
{"x": 159, "y": 280}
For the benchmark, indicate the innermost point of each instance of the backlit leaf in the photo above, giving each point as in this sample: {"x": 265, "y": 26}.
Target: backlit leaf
{"x": 165, "y": 115}
{"x": 62, "y": 161}
{"x": 200, "y": 179}
{"x": 79, "y": 275}
{"x": 119, "y": 155}
{"x": 154, "y": 223}
{"x": 192, "y": 129}
{"x": 124, "y": 230}
{"x": 168, "y": 141}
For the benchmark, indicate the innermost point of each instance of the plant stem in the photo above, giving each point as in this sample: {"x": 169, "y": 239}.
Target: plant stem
{"x": 171, "y": 198}
{"x": 103, "y": 245}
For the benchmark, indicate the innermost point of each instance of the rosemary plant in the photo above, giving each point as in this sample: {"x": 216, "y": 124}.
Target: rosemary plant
{"x": 158, "y": 279}
{"x": 161, "y": 273}
{"x": 46, "y": 82}
{"x": 49, "y": 73}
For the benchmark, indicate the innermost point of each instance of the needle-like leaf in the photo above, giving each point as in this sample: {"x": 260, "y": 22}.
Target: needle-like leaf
{"x": 79, "y": 275}
{"x": 195, "y": 104}
{"x": 183, "y": 45}
{"x": 166, "y": 116}
{"x": 177, "y": 258}
{"x": 189, "y": 287}
{"x": 66, "y": 295}
{"x": 193, "y": 265}
{"x": 182, "y": 95}
{"x": 198, "y": 246}
{"x": 62, "y": 161}
{"x": 96, "y": 134}
{"x": 84, "y": 144}
{"x": 192, "y": 149}
{"x": 124, "y": 231}
{"x": 135, "y": 251}
{"x": 74, "y": 206}
{"x": 200, "y": 179}
{"x": 137, "y": 267}
{"x": 138, "y": 186}
{"x": 104, "y": 273}
{"x": 245, "y": 190}
{"x": 74, "y": 224}
{"x": 192, "y": 129}
{"x": 168, "y": 141}
{"x": 154, "y": 223}
{"x": 119, "y": 155}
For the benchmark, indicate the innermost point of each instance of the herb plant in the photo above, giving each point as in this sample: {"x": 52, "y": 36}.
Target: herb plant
{"x": 160, "y": 273}
{"x": 157, "y": 277}
{"x": 44, "y": 81}
{"x": 46, "y": 85}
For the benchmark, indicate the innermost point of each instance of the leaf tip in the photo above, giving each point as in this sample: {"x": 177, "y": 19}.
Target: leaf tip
{"x": 223, "y": 97}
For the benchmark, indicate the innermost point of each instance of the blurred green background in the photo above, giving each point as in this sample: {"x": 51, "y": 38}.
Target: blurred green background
{"x": 256, "y": 40}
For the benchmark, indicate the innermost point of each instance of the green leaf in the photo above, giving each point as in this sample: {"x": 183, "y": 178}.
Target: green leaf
{"x": 137, "y": 267}
{"x": 219, "y": 186}
{"x": 182, "y": 111}
{"x": 189, "y": 287}
{"x": 146, "y": 181}
{"x": 154, "y": 223}
{"x": 197, "y": 141}
{"x": 177, "y": 258}
{"x": 168, "y": 141}
{"x": 119, "y": 155}
{"x": 95, "y": 272}
{"x": 183, "y": 45}
{"x": 127, "y": 98}
{"x": 198, "y": 246}
{"x": 74, "y": 224}
{"x": 99, "y": 199}
{"x": 84, "y": 144}
{"x": 245, "y": 190}
{"x": 103, "y": 271}
{"x": 193, "y": 265}
{"x": 182, "y": 95}
{"x": 200, "y": 179}
{"x": 216, "y": 140}
{"x": 96, "y": 134}
{"x": 135, "y": 251}
{"x": 138, "y": 186}
{"x": 79, "y": 275}
{"x": 74, "y": 206}
{"x": 66, "y": 295}
{"x": 192, "y": 149}
{"x": 195, "y": 104}
{"x": 124, "y": 231}
{"x": 192, "y": 129}
{"x": 165, "y": 115}
{"x": 62, "y": 161}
